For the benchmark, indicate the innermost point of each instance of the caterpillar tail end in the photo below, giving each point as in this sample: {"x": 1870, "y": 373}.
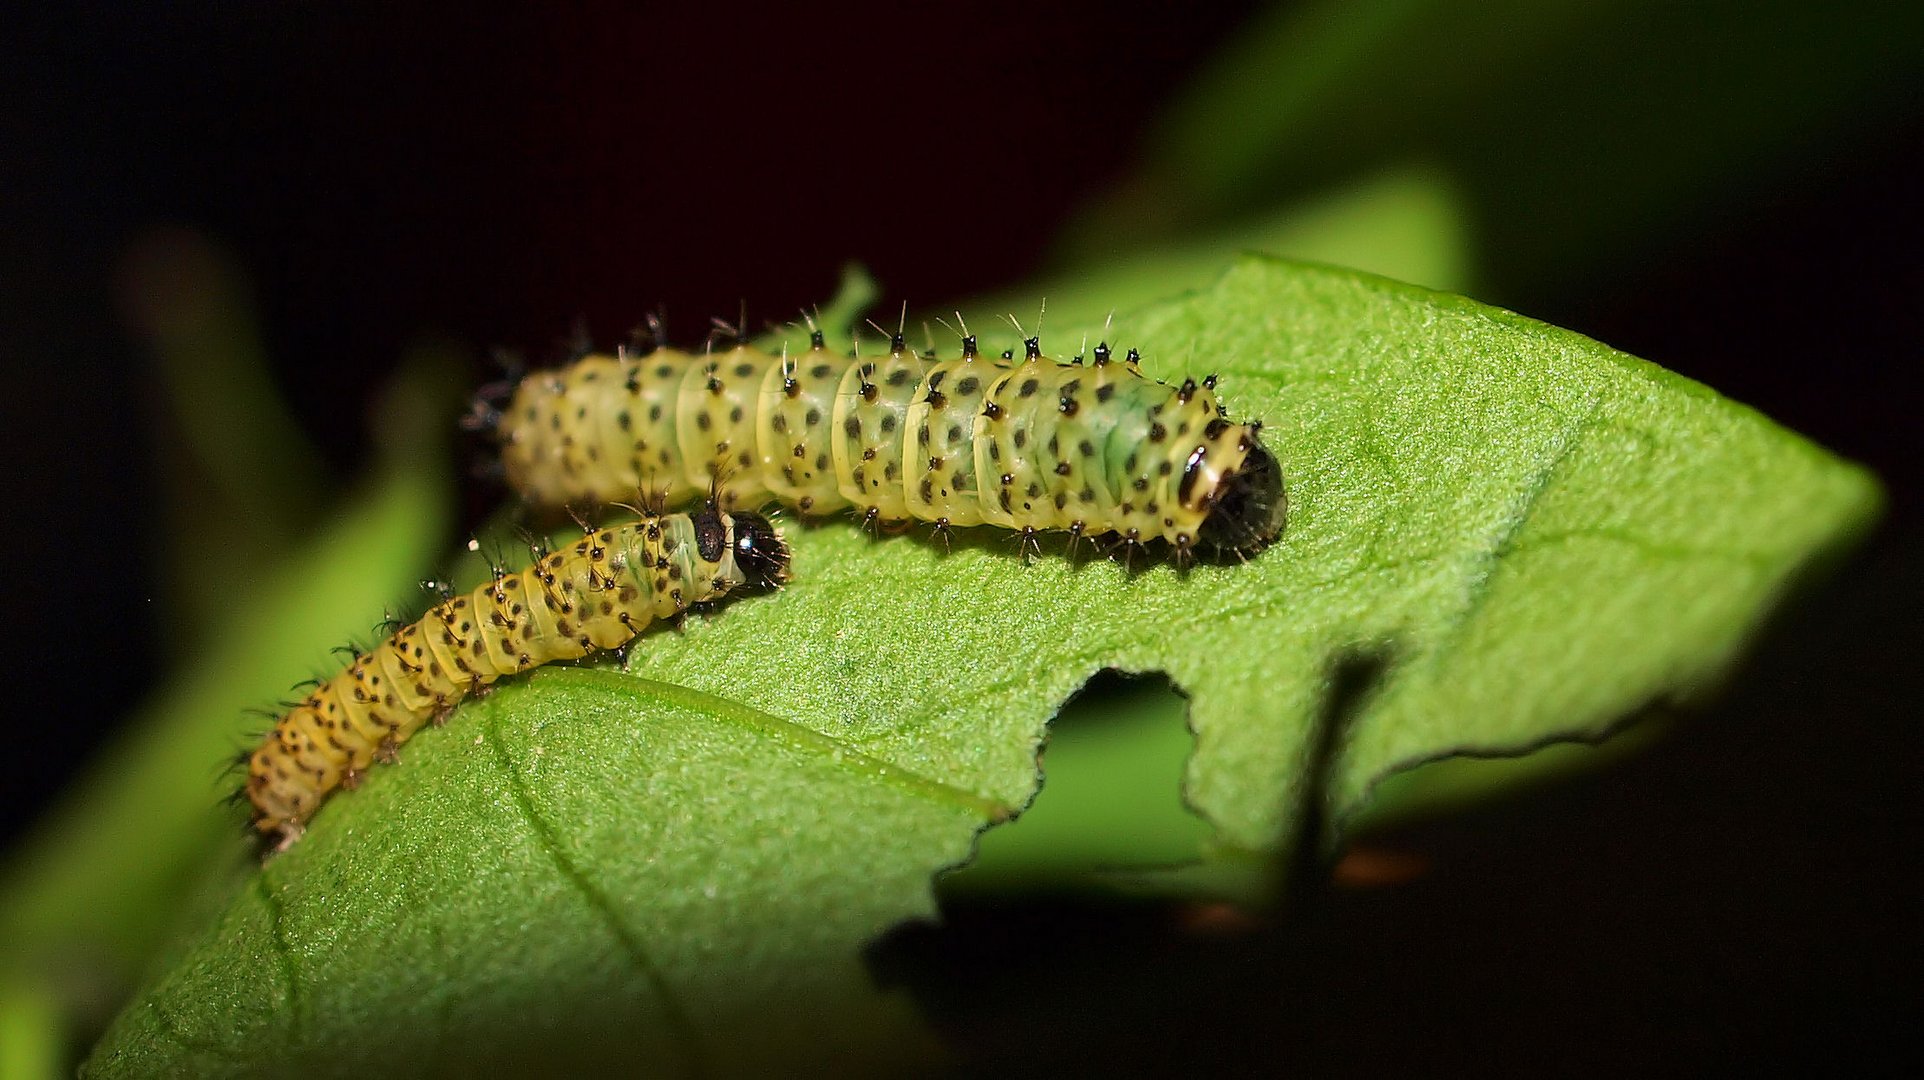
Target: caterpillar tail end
{"x": 484, "y": 412}
{"x": 277, "y": 835}
{"x": 482, "y": 420}
{"x": 287, "y": 835}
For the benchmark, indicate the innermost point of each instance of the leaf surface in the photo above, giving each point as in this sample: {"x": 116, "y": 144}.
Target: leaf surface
{"x": 1527, "y": 534}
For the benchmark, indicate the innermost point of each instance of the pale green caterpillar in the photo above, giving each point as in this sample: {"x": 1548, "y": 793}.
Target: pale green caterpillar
{"x": 1031, "y": 444}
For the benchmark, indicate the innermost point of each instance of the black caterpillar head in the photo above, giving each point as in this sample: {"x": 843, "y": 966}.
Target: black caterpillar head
{"x": 760, "y": 552}
{"x": 1249, "y": 510}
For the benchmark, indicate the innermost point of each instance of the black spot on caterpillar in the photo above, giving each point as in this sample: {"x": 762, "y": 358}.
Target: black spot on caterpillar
{"x": 1032, "y": 444}
{"x": 596, "y": 594}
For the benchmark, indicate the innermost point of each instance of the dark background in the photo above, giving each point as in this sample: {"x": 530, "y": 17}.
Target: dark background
{"x": 1745, "y": 893}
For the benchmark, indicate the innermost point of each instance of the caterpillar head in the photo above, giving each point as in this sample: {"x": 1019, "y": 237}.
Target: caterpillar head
{"x": 1249, "y": 507}
{"x": 758, "y": 551}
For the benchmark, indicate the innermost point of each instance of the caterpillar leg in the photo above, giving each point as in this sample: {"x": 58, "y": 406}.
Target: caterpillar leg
{"x": 288, "y": 834}
{"x": 1027, "y": 543}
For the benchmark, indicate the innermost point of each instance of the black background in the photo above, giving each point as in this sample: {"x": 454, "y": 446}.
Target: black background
{"x": 1745, "y": 893}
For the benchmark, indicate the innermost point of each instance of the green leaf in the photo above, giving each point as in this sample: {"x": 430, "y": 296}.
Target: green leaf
{"x": 1408, "y": 224}
{"x": 676, "y": 867}
{"x": 30, "y": 1032}
{"x": 240, "y": 478}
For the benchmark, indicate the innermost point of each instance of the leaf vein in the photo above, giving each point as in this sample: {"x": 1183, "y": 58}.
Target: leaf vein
{"x": 1490, "y": 562}
{"x": 677, "y": 1016}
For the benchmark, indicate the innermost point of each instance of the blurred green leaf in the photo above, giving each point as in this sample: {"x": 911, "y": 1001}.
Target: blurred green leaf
{"x": 1409, "y": 224}
{"x": 86, "y": 897}
{"x": 1579, "y": 133}
{"x": 32, "y": 1037}
{"x": 676, "y": 867}
{"x": 240, "y": 477}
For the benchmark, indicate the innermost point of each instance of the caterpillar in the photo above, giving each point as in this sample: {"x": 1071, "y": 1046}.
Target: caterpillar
{"x": 595, "y": 595}
{"x": 1034, "y": 444}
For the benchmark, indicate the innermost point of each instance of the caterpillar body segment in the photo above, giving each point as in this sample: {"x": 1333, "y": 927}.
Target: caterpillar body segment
{"x": 1032, "y": 444}
{"x": 595, "y": 595}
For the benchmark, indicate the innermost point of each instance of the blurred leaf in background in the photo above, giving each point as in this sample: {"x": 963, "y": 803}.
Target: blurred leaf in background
{"x": 1575, "y": 136}
{"x": 1410, "y": 225}
{"x": 241, "y": 478}
{"x": 270, "y": 576}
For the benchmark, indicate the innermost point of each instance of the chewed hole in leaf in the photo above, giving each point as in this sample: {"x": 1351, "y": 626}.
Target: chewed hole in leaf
{"x": 1111, "y": 795}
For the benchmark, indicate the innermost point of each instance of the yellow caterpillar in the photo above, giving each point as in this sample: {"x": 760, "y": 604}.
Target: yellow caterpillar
{"x": 1031, "y": 444}
{"x": 595, "y": 595}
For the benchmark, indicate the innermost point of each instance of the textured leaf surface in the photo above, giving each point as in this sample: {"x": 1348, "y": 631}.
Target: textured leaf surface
{"x": 678, "y": 865}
